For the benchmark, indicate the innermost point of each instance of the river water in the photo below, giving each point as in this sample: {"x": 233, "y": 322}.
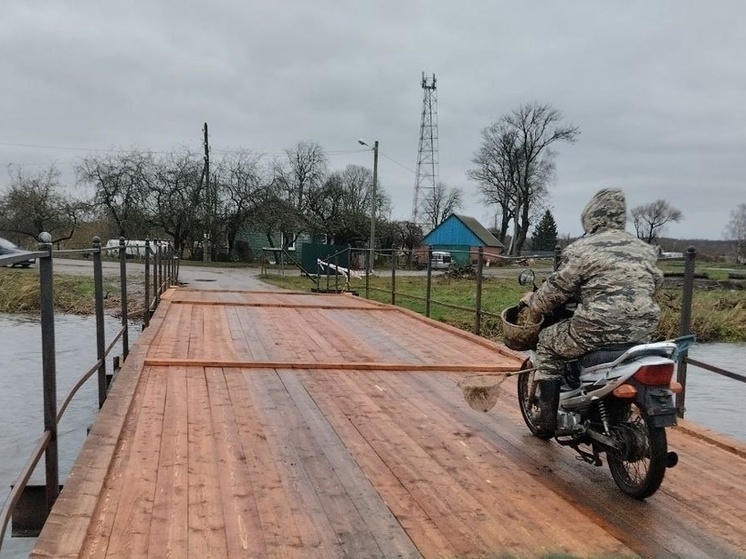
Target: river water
{"x": 713, "y": 401}
{"x": 21, "y": 403}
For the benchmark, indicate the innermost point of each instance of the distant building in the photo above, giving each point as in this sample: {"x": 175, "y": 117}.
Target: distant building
{"x": 462, "y": 236}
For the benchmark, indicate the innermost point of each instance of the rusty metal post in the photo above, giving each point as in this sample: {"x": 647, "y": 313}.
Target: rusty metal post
{"x": 429, "y": 280}
{"x": 394, "y": 263}
{"x": 123, "y": 289}
{"x": 98, "y": 287}
{"x": 685, "y": 325}
{"x": 478, "y": 314}
{"x": 49, "y": 369}
{"x": 147, "y": 284}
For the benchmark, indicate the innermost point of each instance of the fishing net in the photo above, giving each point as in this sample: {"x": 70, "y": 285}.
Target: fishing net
{"x": 482, "y": 391}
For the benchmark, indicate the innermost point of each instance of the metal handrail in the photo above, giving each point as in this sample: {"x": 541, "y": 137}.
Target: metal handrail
{"x": 53, "y": 412}
{"x": 22, "y": 482}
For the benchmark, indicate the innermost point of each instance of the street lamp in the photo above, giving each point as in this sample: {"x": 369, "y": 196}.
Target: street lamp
{"x": 372, "y": 203}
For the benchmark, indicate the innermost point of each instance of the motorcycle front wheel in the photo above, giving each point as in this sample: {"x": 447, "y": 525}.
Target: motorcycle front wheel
{"x": 528, "y": 399}
{"x": 638, "y": 466}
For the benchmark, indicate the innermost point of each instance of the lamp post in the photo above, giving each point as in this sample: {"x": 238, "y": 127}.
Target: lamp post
{"x": 372, "y": 243}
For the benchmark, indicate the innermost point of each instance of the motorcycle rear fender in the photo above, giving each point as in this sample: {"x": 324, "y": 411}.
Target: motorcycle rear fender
{"x": 659, "y": 404}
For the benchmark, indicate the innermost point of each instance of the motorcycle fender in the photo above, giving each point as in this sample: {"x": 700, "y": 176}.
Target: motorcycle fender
{"x": 659, "y": 405}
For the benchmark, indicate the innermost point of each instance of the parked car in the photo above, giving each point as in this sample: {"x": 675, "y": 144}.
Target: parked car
{"x": 440, "y": 260}
{"x": 8, "y": 248}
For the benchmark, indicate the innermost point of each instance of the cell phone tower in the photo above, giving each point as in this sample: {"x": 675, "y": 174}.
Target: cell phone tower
{"x": 427, "y": 154}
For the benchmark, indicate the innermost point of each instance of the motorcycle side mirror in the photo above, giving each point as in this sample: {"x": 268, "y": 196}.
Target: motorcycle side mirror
{"x": 526, "y": 277}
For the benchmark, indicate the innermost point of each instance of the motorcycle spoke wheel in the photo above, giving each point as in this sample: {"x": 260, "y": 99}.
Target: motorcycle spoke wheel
{"x": 640, "y": 464}
{"x": 527, "y": 400}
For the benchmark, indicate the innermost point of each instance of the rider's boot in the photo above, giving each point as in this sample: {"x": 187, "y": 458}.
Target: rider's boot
{"x": 549, "y": 394}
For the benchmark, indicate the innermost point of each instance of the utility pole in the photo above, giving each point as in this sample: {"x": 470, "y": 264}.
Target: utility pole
{"x": 373, "y": 202}
{"x": 207, "y": 245}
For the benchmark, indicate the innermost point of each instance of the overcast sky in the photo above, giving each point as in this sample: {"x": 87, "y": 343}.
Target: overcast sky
{"x": 657, "y": 88}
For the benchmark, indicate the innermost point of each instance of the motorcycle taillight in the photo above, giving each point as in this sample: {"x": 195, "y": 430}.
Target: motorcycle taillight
{"x": 655, "y": 375}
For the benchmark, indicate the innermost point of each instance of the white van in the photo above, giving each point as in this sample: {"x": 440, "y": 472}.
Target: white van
{"x": 440, "y": 260}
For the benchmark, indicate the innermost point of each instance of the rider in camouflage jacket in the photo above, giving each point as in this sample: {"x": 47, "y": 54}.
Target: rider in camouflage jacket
{"x": 612, "y": 275}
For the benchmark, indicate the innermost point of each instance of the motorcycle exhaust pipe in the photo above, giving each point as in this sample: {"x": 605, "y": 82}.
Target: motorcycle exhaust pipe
{"x": 671, "y": 459}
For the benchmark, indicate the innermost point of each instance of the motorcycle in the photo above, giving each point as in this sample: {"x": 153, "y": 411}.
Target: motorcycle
{"x": 615, "y": 401}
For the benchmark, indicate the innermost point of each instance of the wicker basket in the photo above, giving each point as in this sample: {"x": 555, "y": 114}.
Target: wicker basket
{"x": 516, "y": 336}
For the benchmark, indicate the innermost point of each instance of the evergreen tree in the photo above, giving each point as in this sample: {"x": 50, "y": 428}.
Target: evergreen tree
{"x": 545, "y": 234}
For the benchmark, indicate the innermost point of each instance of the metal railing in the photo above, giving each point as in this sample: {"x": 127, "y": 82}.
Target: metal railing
{"x": 477, "y": 256}
{"x": 474, "y": 258}
{"x": 165, "y": 268}
{"x": 685, "y": 326}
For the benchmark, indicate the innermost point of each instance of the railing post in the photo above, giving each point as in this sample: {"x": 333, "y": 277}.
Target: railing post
{"x": 98, "y": 286}
{"x": 394, "y": 262}
{"x": 177, "y": 264}
{"x": 123, "y": 289}
{"x": 367, "y": 274}
{"x": 478, "y": 314}
{"x": 159, "y": 258}
{"x": 155, "y": 271}
{"x": 147, "y": 284}
{"x": 429, "y": 280}
{"x": 336, "y": 272}
{"x": 49, "y": 369}
{"x": 685, "y": 325}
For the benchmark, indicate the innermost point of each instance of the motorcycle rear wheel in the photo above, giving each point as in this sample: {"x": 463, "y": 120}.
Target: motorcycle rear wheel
{"x": 527, "y": 400}
{"x": 638, "y": 469}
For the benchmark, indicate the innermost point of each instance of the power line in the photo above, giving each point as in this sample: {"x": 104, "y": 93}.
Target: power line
{"x": 164, "y": 152}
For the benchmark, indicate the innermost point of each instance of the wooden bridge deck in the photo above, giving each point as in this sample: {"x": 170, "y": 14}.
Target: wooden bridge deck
{"x": 250, "y": 424}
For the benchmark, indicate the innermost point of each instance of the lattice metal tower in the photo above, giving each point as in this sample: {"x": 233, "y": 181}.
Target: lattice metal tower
{"x": 427, "y": 154}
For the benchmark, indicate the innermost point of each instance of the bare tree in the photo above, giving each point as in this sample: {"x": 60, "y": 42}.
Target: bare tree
{"x": 241, "y": 181}
{"x": 35, "y": 203}
{"x": 736, "y": 231}
{"x": 441, "y": 202}
{"x": 649, "y": 220}
{"x": 297, "y": 179}
{"x": 122, "y": 184}
{"x": 515, "y": 165}
{"x": 176, "y": 191}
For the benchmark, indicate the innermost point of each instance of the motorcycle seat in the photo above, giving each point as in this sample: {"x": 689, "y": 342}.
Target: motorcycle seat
{"x": 604, "y": 354}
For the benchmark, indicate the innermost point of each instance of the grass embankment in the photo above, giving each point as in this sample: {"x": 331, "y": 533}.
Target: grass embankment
{"x": 19, "y": 292}
{"x": 717, "y": 315}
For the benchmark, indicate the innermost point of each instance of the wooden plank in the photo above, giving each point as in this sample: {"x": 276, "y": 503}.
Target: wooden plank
{"x": 206, "y": 534}
{"x": 244, "y": 537}
{"x": 279, "y": 526}
{"x": 277, "y": 414}
{"x": 168, "y": 526}
{"x": 380, "y": 523}
{"x": 135, "y": 504}
{"x": 341, "y": 366}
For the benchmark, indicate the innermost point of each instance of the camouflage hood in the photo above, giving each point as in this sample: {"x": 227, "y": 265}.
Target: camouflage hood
{"x": 606, "y": 210}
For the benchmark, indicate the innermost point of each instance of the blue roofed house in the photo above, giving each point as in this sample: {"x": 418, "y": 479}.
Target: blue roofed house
{"x": 462, "y": 236}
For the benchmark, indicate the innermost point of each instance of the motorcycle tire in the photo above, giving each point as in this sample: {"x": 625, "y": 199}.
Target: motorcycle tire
{"x": 527, "y": 402}
{"x": 639, "y": 468}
